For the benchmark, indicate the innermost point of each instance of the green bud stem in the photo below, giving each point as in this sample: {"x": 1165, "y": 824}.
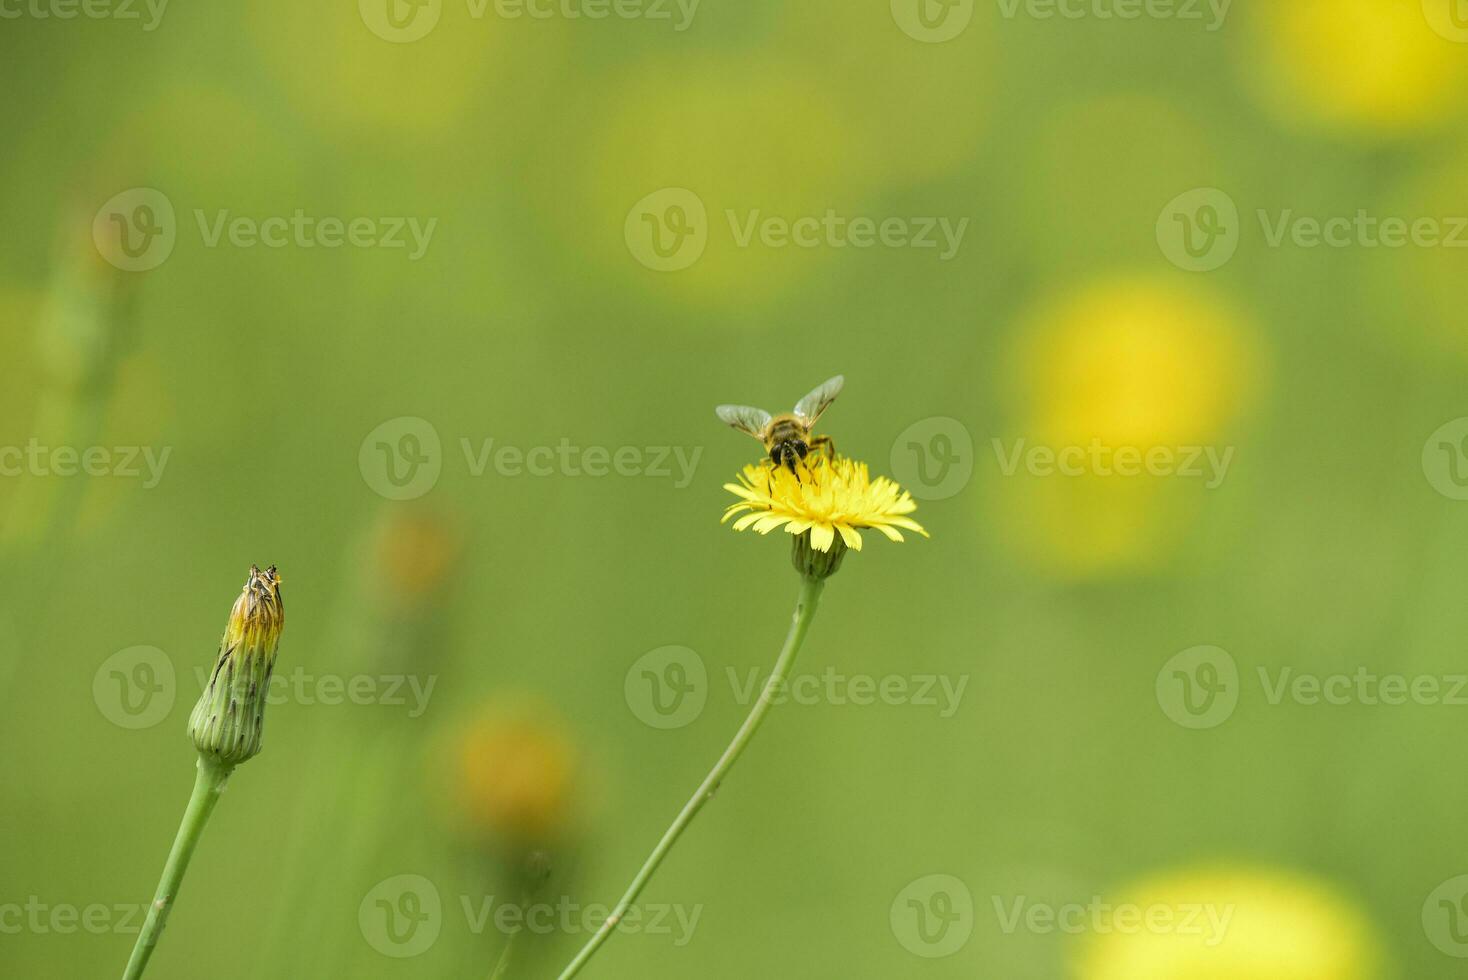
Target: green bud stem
{"x": 208, "y": 785}
{"x": 805, "y": 608}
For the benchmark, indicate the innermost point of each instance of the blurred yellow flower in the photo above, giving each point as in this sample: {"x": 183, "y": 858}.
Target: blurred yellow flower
{"x": 1120, "y": 395}
{"x": 342, "y": 74}
{"x": 420, "y": 549}
{"x": 1134, "y": 362}
{"x": 1255, "y": 925}
{"x": 517, "y": 773}
{"x": 822, "y": 498}
{"x": 1372, "y": 65}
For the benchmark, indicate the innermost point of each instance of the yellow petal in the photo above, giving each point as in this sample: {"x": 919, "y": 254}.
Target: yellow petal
{"x": 822, "y": 537}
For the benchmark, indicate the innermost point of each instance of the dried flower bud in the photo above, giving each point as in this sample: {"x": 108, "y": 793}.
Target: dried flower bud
{"x": 228, "y": 720}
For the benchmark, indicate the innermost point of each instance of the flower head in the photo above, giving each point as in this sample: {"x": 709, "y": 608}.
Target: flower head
{"x": 229, "y": 718}
{"x": 1257, "y": 924}
{"x": 258, "y": 616}
{"x": 517, "y": 774}
{"x": 824, "y": 498}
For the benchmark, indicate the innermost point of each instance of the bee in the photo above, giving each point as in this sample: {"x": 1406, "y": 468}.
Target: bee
{"x": 788, "y": 437}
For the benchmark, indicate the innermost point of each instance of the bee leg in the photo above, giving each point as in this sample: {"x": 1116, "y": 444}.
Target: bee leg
{"x": 824, "y": 445}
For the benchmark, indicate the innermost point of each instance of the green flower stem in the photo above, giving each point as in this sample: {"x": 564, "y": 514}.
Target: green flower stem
{"x": 207, "y": 786}
{"x": 805, "y": 608}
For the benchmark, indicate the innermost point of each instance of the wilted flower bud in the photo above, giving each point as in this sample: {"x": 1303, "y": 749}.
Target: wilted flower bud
{"x": 228, "y": 720}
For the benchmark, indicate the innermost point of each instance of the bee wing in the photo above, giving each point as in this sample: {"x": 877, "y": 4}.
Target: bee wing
{"x": 812, "y": 405}
{"x": 744, "y": 418}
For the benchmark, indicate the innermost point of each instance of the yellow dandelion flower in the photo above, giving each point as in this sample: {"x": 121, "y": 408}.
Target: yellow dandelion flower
{"x": 823, "y": 498}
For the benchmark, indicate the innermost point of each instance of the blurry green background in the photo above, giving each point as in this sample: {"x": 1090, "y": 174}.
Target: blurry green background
{"x": 1334, "y": 544}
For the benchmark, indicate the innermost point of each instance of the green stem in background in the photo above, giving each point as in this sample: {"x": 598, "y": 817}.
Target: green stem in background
{"x": 503, "y": 963}
{"x": 805, "y": 608}
{"x": 207, "y": 786}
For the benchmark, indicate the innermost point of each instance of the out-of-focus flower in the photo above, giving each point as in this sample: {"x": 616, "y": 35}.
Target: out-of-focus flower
{"x": 517, "y": 769}
{"x": 340, "y": 72}
{"x": 1365, "y": 65}
{"x": 1251, "y": 925}
{"x": 420, "y": 549}
{"x": 1129, "y": 365}
{"x": 1135, "y": 361}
